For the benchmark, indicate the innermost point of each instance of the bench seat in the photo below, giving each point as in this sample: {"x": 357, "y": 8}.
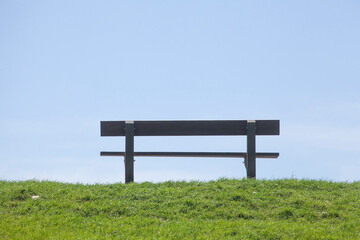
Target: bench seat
{"x": 193, "y": 154}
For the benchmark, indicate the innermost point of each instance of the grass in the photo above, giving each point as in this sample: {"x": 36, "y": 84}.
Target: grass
{"x": 223, "y": 209}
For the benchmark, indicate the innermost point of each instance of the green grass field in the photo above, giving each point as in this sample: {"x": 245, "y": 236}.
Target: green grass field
{"x": 223, "y": 209}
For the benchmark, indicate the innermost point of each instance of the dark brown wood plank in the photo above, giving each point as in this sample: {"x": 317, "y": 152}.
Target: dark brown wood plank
{"x": 112, "y": 154}
{"x": 192, "y": 154}
{"x": 267, "y": 155}
{"x": 112, "y": 128}
{"x": 267, "y": 127}
{"x": 190, "y": 128}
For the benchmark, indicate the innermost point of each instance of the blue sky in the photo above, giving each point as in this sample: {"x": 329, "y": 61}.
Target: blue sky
{"x": 67, "y": 65}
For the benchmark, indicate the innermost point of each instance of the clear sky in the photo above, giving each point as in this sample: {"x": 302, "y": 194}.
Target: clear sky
{"x": 67, "y": 65}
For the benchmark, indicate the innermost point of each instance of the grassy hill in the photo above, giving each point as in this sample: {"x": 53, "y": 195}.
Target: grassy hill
{"x": 223, "y": 209}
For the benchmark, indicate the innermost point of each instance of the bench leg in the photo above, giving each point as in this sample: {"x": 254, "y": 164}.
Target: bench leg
{"x": 129, "y": 152}
{"x": 250, "y": 161}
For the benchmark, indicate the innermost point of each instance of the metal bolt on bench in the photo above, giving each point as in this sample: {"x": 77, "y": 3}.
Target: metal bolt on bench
{"x": 250, "y": 128}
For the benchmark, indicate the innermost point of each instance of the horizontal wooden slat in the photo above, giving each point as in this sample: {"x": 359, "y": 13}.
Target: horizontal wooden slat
{"x": 112, "y": 128}
{"x": 190, "y": 128}
{"x": 192, "y": 154}
{"x": 267, "y": 127}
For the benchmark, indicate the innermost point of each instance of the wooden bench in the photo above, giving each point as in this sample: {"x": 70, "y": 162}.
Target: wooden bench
{"x": 249, "y": 128}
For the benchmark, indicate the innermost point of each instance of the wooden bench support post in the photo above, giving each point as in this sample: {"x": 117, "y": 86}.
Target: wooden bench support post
{"x": 129, "y": 151}
{"x": 250, "y": 161}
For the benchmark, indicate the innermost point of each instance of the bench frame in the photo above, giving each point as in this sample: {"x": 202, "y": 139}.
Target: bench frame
{"x": 250, "y": 128}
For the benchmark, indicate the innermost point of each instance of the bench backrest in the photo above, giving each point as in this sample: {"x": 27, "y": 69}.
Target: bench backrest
{"x": 190, "y": 128}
